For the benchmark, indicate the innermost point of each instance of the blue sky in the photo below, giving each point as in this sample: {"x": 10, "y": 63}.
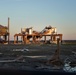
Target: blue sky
{"x": 38, "y": 14}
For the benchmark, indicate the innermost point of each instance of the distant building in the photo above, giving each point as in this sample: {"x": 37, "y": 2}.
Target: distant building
{"x": 3, "y": 29}
{"x": 28, "y": 33}
{"x": 4, "y": 33}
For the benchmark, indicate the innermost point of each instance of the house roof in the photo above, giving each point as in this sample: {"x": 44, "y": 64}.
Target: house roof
{"x": 1, "y": 26}
{"x": 49, "y": 27}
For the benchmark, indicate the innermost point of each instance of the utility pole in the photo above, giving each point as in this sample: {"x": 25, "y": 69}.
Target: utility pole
{"x": 8, "y": 30}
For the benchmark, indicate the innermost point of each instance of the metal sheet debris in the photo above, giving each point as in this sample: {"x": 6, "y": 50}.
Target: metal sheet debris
{"x": 24, "y": 49}
{"x": 68, "y": 68}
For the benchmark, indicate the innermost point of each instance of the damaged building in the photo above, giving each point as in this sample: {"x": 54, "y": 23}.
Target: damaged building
{"x": 28, "y": 33}
{"x": 4, "y": 33}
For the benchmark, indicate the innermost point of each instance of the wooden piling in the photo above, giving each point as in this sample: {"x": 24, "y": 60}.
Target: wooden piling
{"x": 55, "y": 60}
{"x": 8, "y": 30}
{"x": 45, "y": 38}
{"x": 58, "y": 47}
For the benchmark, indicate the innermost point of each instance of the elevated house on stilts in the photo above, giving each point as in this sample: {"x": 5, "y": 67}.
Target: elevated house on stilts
{"x": 52, "y": 33}
{"x": 28, "y": 33}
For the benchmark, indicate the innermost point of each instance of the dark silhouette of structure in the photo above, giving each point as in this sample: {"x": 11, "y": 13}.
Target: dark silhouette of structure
{"x": 4, "y": 33}
{"x": 28, "y": 34}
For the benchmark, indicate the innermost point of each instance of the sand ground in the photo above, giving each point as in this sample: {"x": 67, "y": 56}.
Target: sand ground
{"x": 34, "y": 56}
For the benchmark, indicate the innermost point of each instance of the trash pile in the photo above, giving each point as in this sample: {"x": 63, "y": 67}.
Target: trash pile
{"x": 70, "y": 64}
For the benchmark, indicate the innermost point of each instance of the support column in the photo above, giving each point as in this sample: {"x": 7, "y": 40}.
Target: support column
{"x": 54, "y": 38}
{"x": 17, "y": 39}
{"x": 33, "y": 38}
{"x": 58, "y": 47}
{"x": 14, "y": 39}
{"x": 8, "y": 30}
{"x": 45, "y": 38}
{"x": 25, "y": 39}
{"x": 50, "y": 38}
{"x": 5, "y": 38}
{"x": 21, "y": 36}
{"x": 39, "y": 40}
{"x": 60, "y": 38}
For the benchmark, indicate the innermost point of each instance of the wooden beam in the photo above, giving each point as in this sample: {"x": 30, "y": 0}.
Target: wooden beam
{"x": 54, "y": 38}
{"x": 17, "y": 39}
{"x": 45, "y": 38}
{"x": 14, "y": 39}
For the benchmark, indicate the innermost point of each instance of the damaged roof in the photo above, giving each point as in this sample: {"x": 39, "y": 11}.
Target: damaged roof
{"x": 1, "y": 26}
